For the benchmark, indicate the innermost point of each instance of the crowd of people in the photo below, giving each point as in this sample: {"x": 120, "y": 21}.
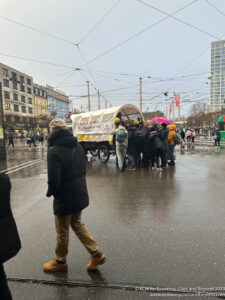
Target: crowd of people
{"x": 144, "y": 143}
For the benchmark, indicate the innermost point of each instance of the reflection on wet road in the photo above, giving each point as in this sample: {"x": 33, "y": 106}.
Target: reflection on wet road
{"x": 162, "y": 229}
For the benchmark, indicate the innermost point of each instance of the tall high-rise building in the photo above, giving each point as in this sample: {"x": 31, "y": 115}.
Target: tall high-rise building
{"x": 217, "y": 99}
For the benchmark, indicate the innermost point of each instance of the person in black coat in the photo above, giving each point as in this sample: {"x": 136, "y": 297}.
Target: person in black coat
{"x": 156, "y": 148}
{"x": 163, "y": 134}
{"x": 9, "y": 237}
{"x": 67, "y": 184}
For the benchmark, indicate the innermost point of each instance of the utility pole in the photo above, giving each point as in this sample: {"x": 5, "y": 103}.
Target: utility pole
{"x": 98, "y": 99}
{"x": 2, "y": 134}
{"x": 140, "y": 94}
{"x": 105, "y": 103}
{"x": 89, "y": 103}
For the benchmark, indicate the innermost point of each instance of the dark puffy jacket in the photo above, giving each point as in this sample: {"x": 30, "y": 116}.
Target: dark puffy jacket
{"x": 131, "y": 149}
{"x": 155, "y": 144}
{"x": 163, "y": 134}
{"x": 10, "y": 241}
{"x": 66, "y": 173}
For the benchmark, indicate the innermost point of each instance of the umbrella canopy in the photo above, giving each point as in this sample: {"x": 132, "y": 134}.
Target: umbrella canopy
{"x": 222, "y": 119}
{"x": 162, "y": 120}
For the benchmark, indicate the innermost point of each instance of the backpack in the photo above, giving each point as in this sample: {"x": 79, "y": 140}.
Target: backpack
{"x": 176, "y": 139}
{"x": 121, "y": 135}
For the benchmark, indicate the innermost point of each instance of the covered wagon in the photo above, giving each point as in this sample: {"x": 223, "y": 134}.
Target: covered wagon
{"x": 94, "y": 129}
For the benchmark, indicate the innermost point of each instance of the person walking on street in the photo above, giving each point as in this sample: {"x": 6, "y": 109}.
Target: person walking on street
{"x": 121, "y": 144}
{"x": 11, "y": 140}
{"x": 216, "y": 136}
{"x": 67, "y": 183}
{"x": 10, "y": 241}
{"x": 32, "y": 141}
{"x": 41, "y": 141}
{"x": 171, "y": 144}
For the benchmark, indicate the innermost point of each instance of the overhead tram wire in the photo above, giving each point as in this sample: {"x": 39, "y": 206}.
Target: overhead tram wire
{"x": 216, "y": 8}
{"x": 177, "y": 19}
{"x": 84, "y": 59}
{"x": 38, "y": 30}
{"x": 93, "y": 28}
{"x": 38, "y": 61}
{"x": 139, "y": 33}
{"x": 65, "y": 79}
{"x": 56, "y": 76}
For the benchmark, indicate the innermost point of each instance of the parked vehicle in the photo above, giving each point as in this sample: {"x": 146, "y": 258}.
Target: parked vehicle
{"x": 94, "y": 129}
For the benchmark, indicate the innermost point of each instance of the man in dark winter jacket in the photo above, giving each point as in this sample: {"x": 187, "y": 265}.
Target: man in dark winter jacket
{"x": 10, "y": 241}
{"x": 67, "y": 183}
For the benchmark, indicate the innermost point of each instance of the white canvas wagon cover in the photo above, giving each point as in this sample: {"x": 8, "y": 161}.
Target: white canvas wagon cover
{"x": 98, "y": 125}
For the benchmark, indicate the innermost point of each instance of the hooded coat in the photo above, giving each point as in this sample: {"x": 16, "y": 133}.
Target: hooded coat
{"x": 9, "y": 237}
{"x": 66, "y": 173}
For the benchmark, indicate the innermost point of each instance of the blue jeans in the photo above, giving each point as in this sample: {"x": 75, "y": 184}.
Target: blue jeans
{"x": 171, "y": 152}
{"x": 121, "y": 153}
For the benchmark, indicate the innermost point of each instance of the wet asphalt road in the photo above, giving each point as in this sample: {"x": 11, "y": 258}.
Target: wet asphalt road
{"x": 156, "y": 229}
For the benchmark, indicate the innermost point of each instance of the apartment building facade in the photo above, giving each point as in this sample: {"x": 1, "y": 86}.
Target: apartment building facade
{"x": 18, "y": 98}
{"x": 40, "y": 101}
{"x": 58, "y": 104}
{"x": 217, "y": 91}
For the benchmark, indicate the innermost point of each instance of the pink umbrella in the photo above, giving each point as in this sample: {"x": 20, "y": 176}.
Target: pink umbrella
{"x": 162, "y": 120}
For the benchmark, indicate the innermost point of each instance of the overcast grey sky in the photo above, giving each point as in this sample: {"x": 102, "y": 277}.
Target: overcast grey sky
{"x": 167, "y": 50}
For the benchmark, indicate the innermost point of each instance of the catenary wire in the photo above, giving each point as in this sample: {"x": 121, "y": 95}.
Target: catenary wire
{"x": 137, "y": 34}
{"x": 216, "y": 8}
{"x": 38, "y": 61}
{"x": 93, "y": 28}
{"x": 177, "y": 19}
{"x": 38, "y": 30}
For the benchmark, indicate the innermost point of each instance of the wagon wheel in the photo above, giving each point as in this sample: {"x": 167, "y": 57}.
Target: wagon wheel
{"x": 103, "y": 154}
{"x": 94, "y": 152}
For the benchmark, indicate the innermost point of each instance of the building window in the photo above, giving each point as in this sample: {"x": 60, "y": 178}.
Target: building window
{"x": 29, "y": 90}
{"x": 21, "y": 79}
{"x": 30, "y": 110}
{"x": 29, "y": 100}
{"x": 17, "y": 119}
{"x": 6, "y": 82}
{"x": 23, "y": 99}
{"x": 8, "y": 118}
{"x": 6, "y": 95}
{"x": 16, "y": 107}
{"x": 14, "y": 77}
{"x": 15, "y": 97}
{"x": 6, "y": 72}
{"x": 7, "y": 106}
{"x": 14, "y": 85}
{"x": 24, "y": 109}
{"x": 22, "y": 88}
{"x": 28, "y": 81}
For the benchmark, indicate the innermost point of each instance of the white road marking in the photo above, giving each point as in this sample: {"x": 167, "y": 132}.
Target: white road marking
{"x": 17, "y": 166}
{"x": 23, "y": 167}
